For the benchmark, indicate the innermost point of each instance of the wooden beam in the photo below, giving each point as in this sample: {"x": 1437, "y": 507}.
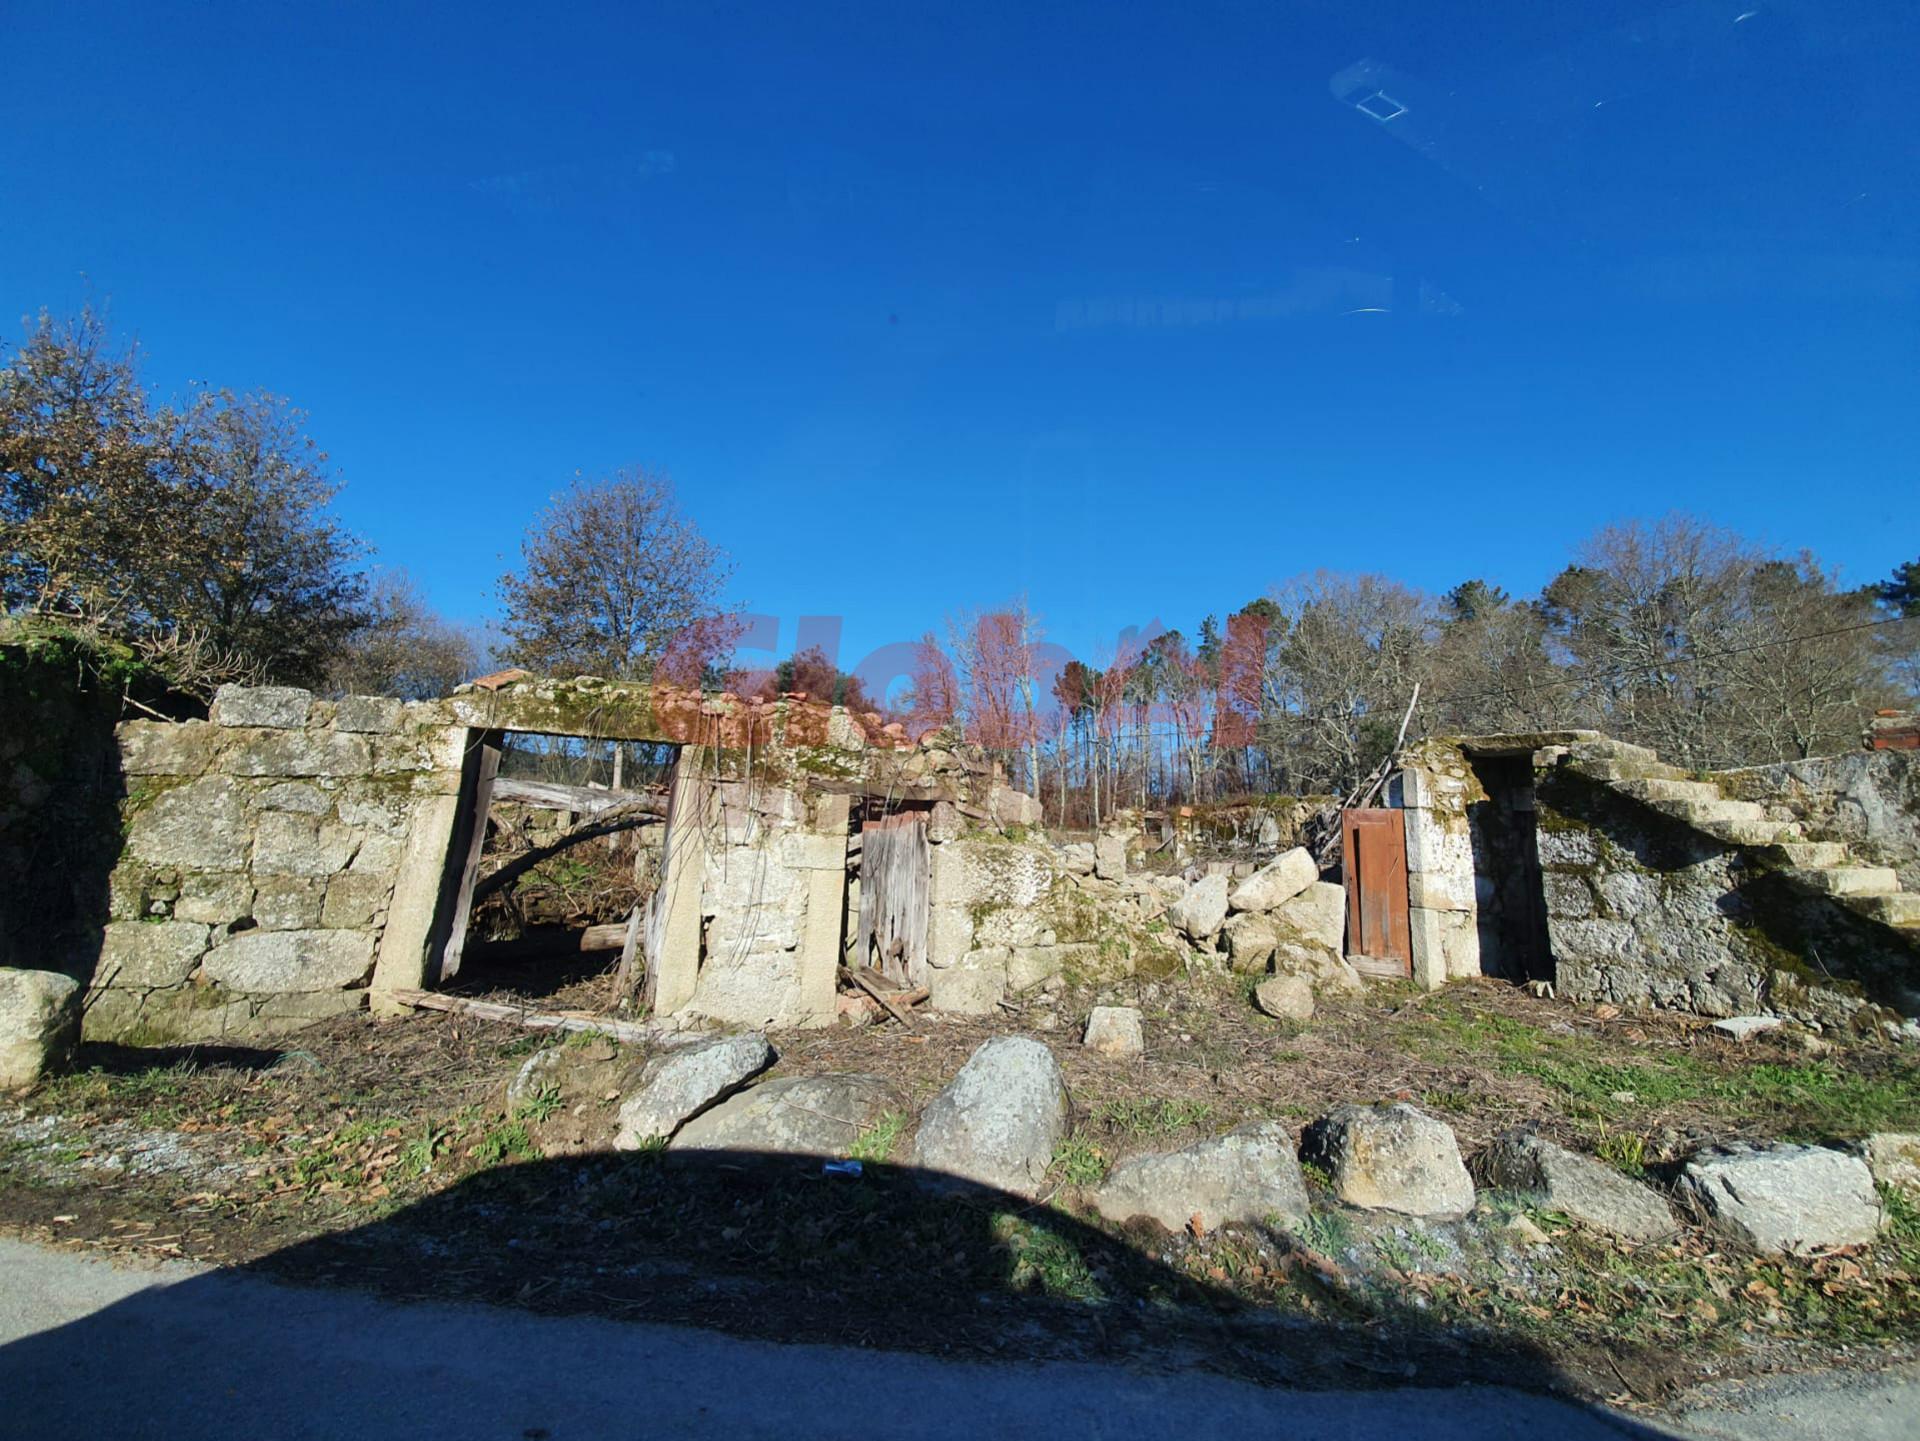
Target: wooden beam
{"x": 582, "y": 800}
{"x": 479, "y": 803}
{"x": 632, "y": 1033}
{"x": 609, "y": 937}
{"x": 871, "y": 989}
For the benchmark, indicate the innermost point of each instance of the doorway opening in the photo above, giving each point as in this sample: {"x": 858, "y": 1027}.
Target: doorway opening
{"x": 558, "y": 848}
{"x": 1509, "y": 892}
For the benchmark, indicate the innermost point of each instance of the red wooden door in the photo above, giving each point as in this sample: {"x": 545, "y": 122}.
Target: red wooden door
{"x": 1379, "y": 931}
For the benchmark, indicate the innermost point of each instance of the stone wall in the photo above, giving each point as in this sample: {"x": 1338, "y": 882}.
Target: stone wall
{"x": 59, "y": 789}
{"x": 1868, "y": 799}
{"x": 1643, "y": 909}
{"x": 262, "y": 850}
{"x": 1436, "y": 787}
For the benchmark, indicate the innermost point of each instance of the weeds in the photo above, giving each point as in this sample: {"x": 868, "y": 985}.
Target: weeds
{"x": 1151, "y": 1118}
{"x": 508, "y": 1141}
{"x": 1078, "y": 1162}
{"x": 1044, "y": 1260}
{"x": 876, "y": 1142}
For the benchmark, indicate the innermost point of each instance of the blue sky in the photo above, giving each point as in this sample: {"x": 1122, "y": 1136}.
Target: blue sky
{"x": 1136, "y": 309}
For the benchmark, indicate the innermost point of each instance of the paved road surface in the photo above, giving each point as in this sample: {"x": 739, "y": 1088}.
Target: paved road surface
{"x": 89, "y": 1350}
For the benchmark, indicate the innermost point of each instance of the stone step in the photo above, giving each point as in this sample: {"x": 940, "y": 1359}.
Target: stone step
{"x": 1752, "y": 833}
{"x": 1652, "y": 789}
{"x": 1812, "y": 855}
{"x": 1614, "y": 771}
{"x": 1698, "y": 812}
{"x": 1851, "y": 880}
{"x": 1896, "y": 908}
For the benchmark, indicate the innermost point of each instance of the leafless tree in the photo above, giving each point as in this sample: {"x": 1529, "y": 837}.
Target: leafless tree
{"x": 611, "y": 573}
{"x": 405, "y": 649}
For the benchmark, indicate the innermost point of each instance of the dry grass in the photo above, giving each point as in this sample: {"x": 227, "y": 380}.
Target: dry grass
{"x": 364, "y": 1143}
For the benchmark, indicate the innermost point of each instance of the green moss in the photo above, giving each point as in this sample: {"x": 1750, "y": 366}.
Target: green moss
{"x": 828, "y": 761}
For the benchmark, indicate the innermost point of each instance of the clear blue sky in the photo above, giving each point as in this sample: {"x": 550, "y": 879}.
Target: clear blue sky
{"x": 1133, "y": 308}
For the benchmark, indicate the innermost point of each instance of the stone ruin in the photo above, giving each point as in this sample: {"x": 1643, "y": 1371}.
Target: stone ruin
{"x": 289, "y": 859}
{"x": 1581, "y": 863}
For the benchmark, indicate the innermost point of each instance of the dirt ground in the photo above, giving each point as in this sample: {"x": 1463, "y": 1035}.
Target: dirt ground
{"x": 387, "y": 1155}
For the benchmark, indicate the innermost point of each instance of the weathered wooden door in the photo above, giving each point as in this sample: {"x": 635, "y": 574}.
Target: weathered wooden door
{"x": 894, "y": 885}
{"x": 1379, "y": 930}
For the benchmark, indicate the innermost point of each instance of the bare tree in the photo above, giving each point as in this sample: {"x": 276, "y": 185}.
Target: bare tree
{"x": 611, "y": 574}
{"x": 1349, "y": 652}
{"x": 405, "y": 649}
{"x": 263, "y": 569}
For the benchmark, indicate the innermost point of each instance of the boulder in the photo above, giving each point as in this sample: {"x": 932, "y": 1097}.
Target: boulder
{"x": 39, "y": 1024}
{"x": 999, "y": 1120}
{"x": 683, "y": 1083}
{"x": 1009, "y": 807}
{"x": 1278, "y": 881}
{"x": 1076, "y": 859}
{"x": 1285, "y": 998}
{"x": 1114, "y": 1031}
{"x": 1591, "y": 1193}
{"x": 1248, "y": 1175}
{"x": 1784, "y": 1199}
{"x": 794, "y": 1116}
{"x": 1894, "y": 1159}
{"x": 1249, "y": 941}
{"x": 1201, "y": 909}
{"x": 1393, "y": 1158}
{"x": 1110, "y": 855}
{"x": 1318, "y": 915}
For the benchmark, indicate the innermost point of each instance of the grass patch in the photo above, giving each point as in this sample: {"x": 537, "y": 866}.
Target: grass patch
{"x": 508, "y": 1141}
{"x": 1078, "y": 1162}
{"x": 877, "y": 1141}
{"x": 1151, "y": 1118}
{"x": 1045, "y": 1261}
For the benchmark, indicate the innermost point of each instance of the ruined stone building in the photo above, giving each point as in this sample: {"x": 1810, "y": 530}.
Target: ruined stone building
{"x": 291, "y": 858}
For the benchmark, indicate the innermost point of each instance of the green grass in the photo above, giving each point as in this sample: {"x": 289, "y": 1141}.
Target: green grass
{"x": 1045, "y": 1261}
{"x": 1624, "y": 1151}
{"x": 1150, "y": 1118}
{"x": 1078, "y": 1162}
{"x": 1327, "y": 1232}
{"x": 877, "y": 1141}
{"x": 508, "y": 1141}
{"x": 540, "y": 1106}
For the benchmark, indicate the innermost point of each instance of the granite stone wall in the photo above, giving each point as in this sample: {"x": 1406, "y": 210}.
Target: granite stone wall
{"x": 262, "y": 847}
{"x": 1644, "y": 910}
{"x": 1868, "y": 799}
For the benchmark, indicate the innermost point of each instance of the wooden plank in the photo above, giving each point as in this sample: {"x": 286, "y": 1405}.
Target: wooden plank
{"x": 475, "y": 835}
{"x": 609, "y": 937}
{"x": 858, "y": 977}
{"x": 629, "y": 953}
{"x": 895, "y": 880}
{"x": 1379, "y": 926}
{"x": 581, "y": 800}
{"x": 632, "y": 1033}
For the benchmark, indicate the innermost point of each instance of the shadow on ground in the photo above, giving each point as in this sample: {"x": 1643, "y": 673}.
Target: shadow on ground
{"x": 776, "y": 1248}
